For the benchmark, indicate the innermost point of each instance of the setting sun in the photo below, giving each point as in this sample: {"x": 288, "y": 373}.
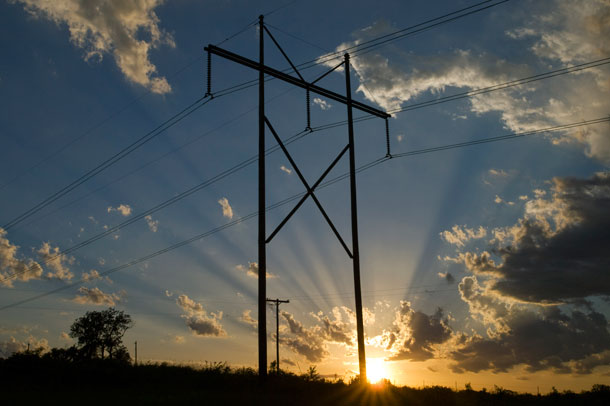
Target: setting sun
{"x": 376, "y": 370}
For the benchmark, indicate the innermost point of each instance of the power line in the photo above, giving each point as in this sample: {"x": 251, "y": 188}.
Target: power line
{"x": 164, "y": 155}
{"x": 115, "y": 114}
{"x": 369, "y": 45}
{"x": 110, "y": 161}
{"x": 503, "y": 137}
{"x": 94, "y": 127}
{"x": 475, "y": 92}
{"x": 404, "y": 32}
{"x": 160, "y": 206}
{"x": 428, "y": 103}
{"x": 501, "y": 86}
{"x": 299, "y": 195}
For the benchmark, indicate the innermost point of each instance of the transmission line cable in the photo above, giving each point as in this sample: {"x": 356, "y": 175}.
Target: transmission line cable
{"x": 322, "y": 185}
{"x": 114, "y": 114}
{"x": 488, "y": 89}
{"x": 164, "y": 155}
{"x": 161, "y": 206}
{"x": 369, "y": 44}
{"x": 110, "y": 161}
{"x": 471, "y": 93}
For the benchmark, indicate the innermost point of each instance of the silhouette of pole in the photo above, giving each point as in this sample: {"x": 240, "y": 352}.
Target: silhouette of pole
{"x": 262, "y": 240}
{"x": 262, "y": 254}
{"x": 136, "y": 352}
{"x": 277, "y": 329}
{"x": 354, "y": 210}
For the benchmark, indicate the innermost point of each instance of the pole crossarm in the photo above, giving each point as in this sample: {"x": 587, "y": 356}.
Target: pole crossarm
{"x": 295, "y": 81}
{"x": 310, "y": 191}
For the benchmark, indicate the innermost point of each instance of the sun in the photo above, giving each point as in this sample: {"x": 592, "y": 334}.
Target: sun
{"x": 376, "y": 370}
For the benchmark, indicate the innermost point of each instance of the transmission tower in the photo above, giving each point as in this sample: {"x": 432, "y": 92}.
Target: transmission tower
{"x": 263, "y": 122}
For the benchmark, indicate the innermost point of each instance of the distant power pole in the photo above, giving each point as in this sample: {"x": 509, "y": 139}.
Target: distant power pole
{"x": 136, "y": 344}
{"x": 277, "y": 328}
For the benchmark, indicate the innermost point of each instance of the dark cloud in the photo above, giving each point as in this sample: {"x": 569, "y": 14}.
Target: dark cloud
{"x": 288, "y": 362}
{"x": 559, "y": 251}
{"x": 415, "y": 334}
{"x": 541, "y": 338}
{"x": 447, "y": 276}
{"x": 202, "y": 325}
{"x": 336, "y": 331}
{"x": 306, "y": 342}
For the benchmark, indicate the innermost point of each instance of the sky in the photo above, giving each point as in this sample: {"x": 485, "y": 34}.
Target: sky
{"x": 481, "y": 263}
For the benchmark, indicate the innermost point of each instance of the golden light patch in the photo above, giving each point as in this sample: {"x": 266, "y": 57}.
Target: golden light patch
{"x": 376, "y": 370}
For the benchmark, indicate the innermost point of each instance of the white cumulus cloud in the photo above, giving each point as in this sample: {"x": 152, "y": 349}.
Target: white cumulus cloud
{"x": 197, "y": 319}
{"x": 115, "y": 27}
{"x": 124, "y": 209}
{"x": 227, "y": 210}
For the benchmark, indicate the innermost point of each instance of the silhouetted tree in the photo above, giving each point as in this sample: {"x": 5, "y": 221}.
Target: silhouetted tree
{"x": 99, "y": 332}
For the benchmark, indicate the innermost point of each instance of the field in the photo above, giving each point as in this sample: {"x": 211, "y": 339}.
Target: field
{"x": 32, "y": 379}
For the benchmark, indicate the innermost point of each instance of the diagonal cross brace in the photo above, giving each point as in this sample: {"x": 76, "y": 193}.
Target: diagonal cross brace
{"x": 310, "y": 191}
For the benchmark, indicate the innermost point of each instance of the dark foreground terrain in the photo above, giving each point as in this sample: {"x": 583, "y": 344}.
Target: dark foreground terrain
{"x": 32, "y": 379}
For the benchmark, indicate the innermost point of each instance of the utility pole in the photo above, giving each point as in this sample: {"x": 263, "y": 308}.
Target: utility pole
{"x": 354, "y": 210}
{"x": 136, "y": 352}
{"x": 264, "y": 121}
{"x": 262, "y": 249}
{"x": 277, "y": 329}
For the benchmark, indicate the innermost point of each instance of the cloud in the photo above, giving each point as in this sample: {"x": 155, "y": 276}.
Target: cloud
{"x": 198, "y": 320}
{"x": 112, "y": 26}
{"x": 153, "y": 225}
{"x": 303, "y": 341}
{"x": 56, "y": 261}
{"x": 168, "y": 293}
{"x": 8, "y": 348}
{"x": 96, "y": 297}
{"x": 322, "y": 104}
{"x": 447, "y": 277}
{"x": 287, "y": 170}
{"x": 414, "y": 335}
{"x": 460, "y": 235}
{"x": 499, "y": 200}
{"x": 11, "y": 267}
{"x": 252, "y": 270}
{"x": 287, "y": 361}
{"x": 65, "y": 336}
{"x": 541, "y": 338}
{"x": 247, "y": 319}
{"x": 565, "y": 33}
{"x": 498, "y": 172}
{"x": 124, "y": 209}
{"x": 93, "y": 275}
{"x": 12, "y": 345}
{"x": 558, "y": 251}
{"x": 227, "y": 210}
{"x": 335, "y": 329}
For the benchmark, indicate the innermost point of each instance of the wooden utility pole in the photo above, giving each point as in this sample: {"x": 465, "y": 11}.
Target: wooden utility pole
{"x": 277, "y": 329}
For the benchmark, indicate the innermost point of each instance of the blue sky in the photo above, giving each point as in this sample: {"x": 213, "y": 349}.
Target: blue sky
{"x": 481, "y": 264}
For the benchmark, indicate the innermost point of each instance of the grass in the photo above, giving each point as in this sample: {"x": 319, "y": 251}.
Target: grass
{"x": 34, "y": 379}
